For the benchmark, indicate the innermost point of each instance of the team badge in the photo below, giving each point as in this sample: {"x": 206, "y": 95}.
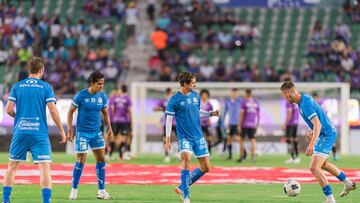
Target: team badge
{"x": 100, "y": 100}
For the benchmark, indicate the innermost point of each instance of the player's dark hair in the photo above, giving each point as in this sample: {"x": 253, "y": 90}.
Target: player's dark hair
{"x": 185, "y": 77}
{"x": 124, "y": 88}
{"x": 95, "y": 77}
{"x": 168, "y": 90}
{"x": 248, "y": 91}
{"x": 35, "y": 64}
{"x": 287, "y": 85}
{"x": 205, "y": 91}
{"x": 314, "y": 94}
{"x": 234, "y": 89}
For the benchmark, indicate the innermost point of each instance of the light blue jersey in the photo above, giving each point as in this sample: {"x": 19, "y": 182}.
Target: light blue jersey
{"x": 31, "y": 96}
{"x": 309, "y": 108}
{"x": 233, "y": 108}
{"x": 186, "y": 110}
{"x": 89, "y": 107}
{"x": 30, "y": 127}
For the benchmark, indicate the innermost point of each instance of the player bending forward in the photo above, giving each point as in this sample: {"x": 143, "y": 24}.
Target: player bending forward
{"x": 185, "y": 107}
{"x": 321, "y": 140}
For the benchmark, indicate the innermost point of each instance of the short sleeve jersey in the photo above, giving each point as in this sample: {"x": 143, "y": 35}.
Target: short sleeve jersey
{"x": 186, "y": 110}
{"x": 31, "y": 96}
{"x": 309, "y": 108}
{"x": 89, "y": 107}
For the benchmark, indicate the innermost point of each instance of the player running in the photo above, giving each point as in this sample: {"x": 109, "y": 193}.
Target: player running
{"x": 248, "y": 123}
{"x": 205, "y": 121}
{"x": 290, "y": 127}
{"x": 321, "y": 138}
{"x": 30, "y": 133}
{"x": 232, "y": 106}
{"x": 89, "y": 103}
{"x": 185, "y": 107}
{"x": 161, "y": 106}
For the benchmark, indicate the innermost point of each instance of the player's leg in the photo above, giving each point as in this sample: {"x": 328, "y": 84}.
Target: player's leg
{"x": 97, "y": 145}
{"x": 202, "y": 154}
{"x": 333, "y": 149}
{"x": 242, "y": 145}
{"x": 316, "y": 163}
{"x": 335, "y": 171}
{"x": 45, "y": 181}
{"x": 112, "y": 143}
{"x": 81, "y": 149}
{"x": 295, "y": 144}
{"x": 18, "y": 149}
{"x": 232, "y": 133}
{"x": 40, "y": 149}
{"x": 253, "y": 143}
{"x": 9, "y": 178}
{"x": 290, "y": 148}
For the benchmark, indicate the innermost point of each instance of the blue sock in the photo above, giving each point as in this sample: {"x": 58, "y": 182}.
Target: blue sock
{"x": 77, "y": 174}
{"x": 327, "y": 190}
{"x": 6, "y": 194}
{"x": 185, "y": 183}
{"x": 341, "y": 176}
{"x": 100, "y": 172}
{"x": 46, "y": 195}
{"x": 196, "y": 175}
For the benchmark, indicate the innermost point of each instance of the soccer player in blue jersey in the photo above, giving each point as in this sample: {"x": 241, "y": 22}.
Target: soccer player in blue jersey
{"x": 90, "y": 103}
{"x": 30, "y": 132}
{"x": 185, "y": 107}
{"x": 321, "y": 139}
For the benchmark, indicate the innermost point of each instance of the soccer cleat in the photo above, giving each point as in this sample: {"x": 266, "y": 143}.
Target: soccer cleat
{"x": 240, "y": 160}
{"x": 347, "y": 189}
{"x": 73, "y": 194}
{"x": 187, "y": 200}
{"x": 167, "y": 159}
{"x": 297, "y": 160}
{"x": 289, "y": 161}
{"x": 178, "y": 191}
{"x": 102, "y": 194}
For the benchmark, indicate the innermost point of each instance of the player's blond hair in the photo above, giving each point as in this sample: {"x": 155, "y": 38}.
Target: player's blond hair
{"x": 35, "y": 64}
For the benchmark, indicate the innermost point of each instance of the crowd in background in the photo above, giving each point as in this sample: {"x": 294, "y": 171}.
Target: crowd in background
{"x": 72, "y": 49}
{"x": 176, "y": 39}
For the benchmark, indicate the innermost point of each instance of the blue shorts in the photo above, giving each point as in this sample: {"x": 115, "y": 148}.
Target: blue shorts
{"x": 38, "y": 145}
{"x": 199, "y": 147}
{"x": 324, "y": 145}
{"x": 85, "y": 139}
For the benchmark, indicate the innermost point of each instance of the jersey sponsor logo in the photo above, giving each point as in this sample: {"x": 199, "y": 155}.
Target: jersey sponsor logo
{"x": 28, "y": 125}
{"x": 87, "y": 100}
{"x": 93, "y": 100}
{"x": 31, "y": 81}
{"x": 43, "y": 156}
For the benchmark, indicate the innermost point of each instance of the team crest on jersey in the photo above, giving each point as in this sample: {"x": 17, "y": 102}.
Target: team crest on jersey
{"x": 100, "y": 100}
{"x": 195, "y": 100}
{"x": 31, "y": 81}
{"x": 188, "y": 101}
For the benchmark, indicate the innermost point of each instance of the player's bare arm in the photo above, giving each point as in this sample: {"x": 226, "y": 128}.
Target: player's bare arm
{"x": 10, "y": 108}
{"x": 56, "y": 117}
{"x": 109, "y": 134}
{"x": 169, "y": 120}
{"x": 316, "y": 132}
{"x": 70, "y": 131}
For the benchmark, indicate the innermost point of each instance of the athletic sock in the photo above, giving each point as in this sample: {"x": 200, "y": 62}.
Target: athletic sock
{"x": 112, "y": 148}
{"x": 185, "y": 183}
{"x": 328, "y": 192}
{"x": 230, "y": 150}
{"x": 46, "y": 195}
{"x": 100, "y": 172}
{"x": 342, "y": 177}
{"x": 77, "y": 174}
{"x": 120, "y": 150}
{"x": 6, "y": 193}
{"x": 196, "y": 175}
{"x": 296, "y": 150}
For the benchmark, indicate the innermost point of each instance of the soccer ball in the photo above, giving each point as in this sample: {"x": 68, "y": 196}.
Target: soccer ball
{"x": 292, "y": 188}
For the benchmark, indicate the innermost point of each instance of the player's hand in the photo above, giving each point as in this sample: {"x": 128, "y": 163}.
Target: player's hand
{"x": 167, "y": 144}
{"x": 110, "y": 135}
{"x": 70, "y": 135}
{"x": 63, "y": 137}
{"x": 215, "y": 113}
{"x": 309, "y": 136}
{"x": 310, "y": 150}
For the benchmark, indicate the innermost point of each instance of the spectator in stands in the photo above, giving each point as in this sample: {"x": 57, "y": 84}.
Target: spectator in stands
{"x": 159, "y": 40}
{"x": 131, "y": 15}
{"x": 206, "y": 71}
{"x": 342, "y": 32}
{"x": 224, "y": 38}
{"x": 150, "y": 9}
